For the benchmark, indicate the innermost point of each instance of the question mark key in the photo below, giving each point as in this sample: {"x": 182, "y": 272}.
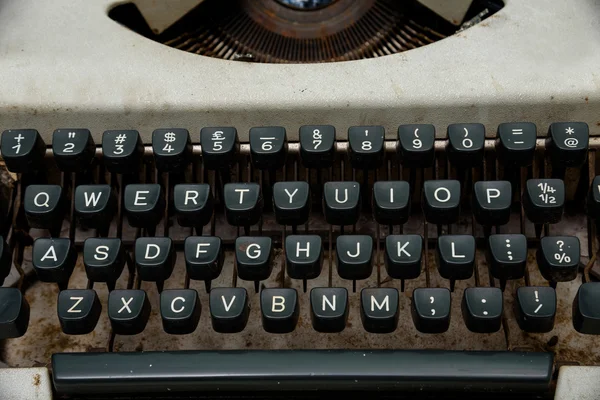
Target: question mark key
{"x": 431, "y": 309}
{"x": 558, "y": 258}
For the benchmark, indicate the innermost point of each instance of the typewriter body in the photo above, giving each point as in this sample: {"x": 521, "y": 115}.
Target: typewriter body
{"x": 279, "y": 198}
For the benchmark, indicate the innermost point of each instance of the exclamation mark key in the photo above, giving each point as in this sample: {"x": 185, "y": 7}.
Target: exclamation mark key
{"x": 535, "y": 308}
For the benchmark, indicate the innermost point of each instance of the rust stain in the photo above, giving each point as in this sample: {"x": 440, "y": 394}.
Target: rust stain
{"x": 37, "y": 380}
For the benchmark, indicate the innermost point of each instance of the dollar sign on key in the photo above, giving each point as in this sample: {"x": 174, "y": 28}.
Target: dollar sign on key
{"x": 170, "y": 137}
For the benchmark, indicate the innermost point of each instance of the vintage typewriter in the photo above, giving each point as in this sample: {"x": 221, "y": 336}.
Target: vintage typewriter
{"x": 297, "y": 199}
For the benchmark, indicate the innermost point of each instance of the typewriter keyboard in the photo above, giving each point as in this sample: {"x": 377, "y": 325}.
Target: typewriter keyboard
{"x": 478, "y": 241}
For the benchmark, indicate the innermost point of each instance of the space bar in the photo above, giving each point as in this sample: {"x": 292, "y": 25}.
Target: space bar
{"x": 298, "y": 370}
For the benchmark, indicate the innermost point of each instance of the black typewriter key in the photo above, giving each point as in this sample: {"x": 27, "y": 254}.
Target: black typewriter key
{"x": 416, "y": 145}
{"x": 172, "y": 149}
{"x": 354, "y": 256}
{"x": 122, "y": 151}
{"x": 279, "y": 309}
{"x": 535, "y": 308}
{"x": 391, "y": 202}
{"x": 586, "y": 313}
{"x": 95, "y": 206}
{"x": 492, "y": 202}
{"x": 482, "y": 309}
{"x": 5, "y": 260}
{"x": 379, "y": 309}
{"x": 507, "y": 256}
{"x": 243, "y": 203}
{"x": 144, "y": 205}
{"x": 329, "y": 309}
{"x": 441, "y": 201}
{"x": 543, "y": 200}
{"x": 254, "y": 258}
{"x": 593, "y": 203}
{"x": 104, "y": 259}
{"x": 155, "y": 258}
{"x": 54, "y": 259}
{"x": 78, "y": 311}
{"x": 180, "y": 311}
{"x": 568, "y": 143}
{"x": 455, "y": 256}
{"x": 431, "y": 309}
{"x": 229, "y": 309}
{"x": 366, "y": 146}
{"x": 22, "y": 150}
{"x": 268, "y": 147}
{"x": 516, "y": 143}
{"x": 14, "y": 313}
{"x": 317, "y": 145}
{"x": 73, "y": 149}
{"x": 44, "y": 206}
{"x": 341, "y": 202}
{"x": 291, "y": 202}
{"x": 304, "y": 256}
{"x": 219, "y": 147}
{"x": 193, "y": 203}
{"x": 128, "y": 311}
{"x": 403, "y": 255}
{"x": 466, "y": 144}
{"x": 203, "y": 257}
{"x": 558, "y": 258}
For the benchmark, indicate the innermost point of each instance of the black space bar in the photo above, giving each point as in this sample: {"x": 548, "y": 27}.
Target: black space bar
{"x": 299, "y": 370}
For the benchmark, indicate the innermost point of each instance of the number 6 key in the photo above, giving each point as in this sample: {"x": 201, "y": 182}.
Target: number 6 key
{"x": 544, "y": 200}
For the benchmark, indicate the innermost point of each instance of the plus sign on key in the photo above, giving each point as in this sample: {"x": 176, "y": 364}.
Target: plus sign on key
{"x": 568, "y": 143}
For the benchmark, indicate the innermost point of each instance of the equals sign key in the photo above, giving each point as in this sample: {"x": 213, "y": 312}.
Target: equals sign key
{"x": 516, "y": 143}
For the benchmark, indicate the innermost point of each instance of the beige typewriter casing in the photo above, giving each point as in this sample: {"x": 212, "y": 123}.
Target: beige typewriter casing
{"x": 65, "y": 63}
